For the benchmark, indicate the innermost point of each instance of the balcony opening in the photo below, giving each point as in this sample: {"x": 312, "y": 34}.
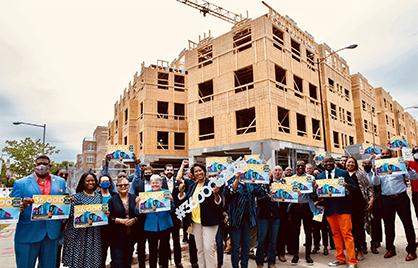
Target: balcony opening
{"x": 280, "y": 78}
{"x": 245, "y": 120}
{"x": 206, "y": 91}
{"x": 179, "y": 113}
{"x": 336, "y": 139}
{"x": 204, "y": 56}
{"x": 179, "y": 141}
{"x": 278, "y": 40}
{"x": 301, "y": 125}
{"x": 162, "y": 80}
{"x": 244, "y": 79}
{"x": 162, "y": 140}
{"x": 179, "y": 82}
{"x": 206, "y": 129}
{"x": 162, "y": 109}
{"x": 316, "y": 129}
{"x": 298, "y": 86}
{"x": 242, "y": 40}
{"x": 295, "y": 50}
{"x": 283, "y": 119}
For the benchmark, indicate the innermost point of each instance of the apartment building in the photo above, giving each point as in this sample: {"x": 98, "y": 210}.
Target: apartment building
{"x": 365, "y": 103}
{"x": 411, "y": 129}
{"x": 385, "y": 114}
{"x": 400, "y": 123}
{"x": 93, "y": 150}
{"x": 151, "y": 115}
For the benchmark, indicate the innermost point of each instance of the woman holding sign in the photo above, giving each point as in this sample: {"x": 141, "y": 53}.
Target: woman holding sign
{"x": 82, "y": 246}
{"x": 205, "y": 216}
{"x": 123, "y": 225}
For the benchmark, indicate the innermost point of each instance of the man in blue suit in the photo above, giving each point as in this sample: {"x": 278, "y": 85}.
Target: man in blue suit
{"x": 37, "y": 239}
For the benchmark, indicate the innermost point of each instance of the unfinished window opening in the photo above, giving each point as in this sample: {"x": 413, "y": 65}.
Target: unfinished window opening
{"x": 179, "y": 141}
{"x": 244, "y": 79}
{"x": 313, "y": 92}
{"x": 316, "y": 129}
{"x": 126, "y": 116}
{"x": 162, "y": 109}
{"x": 162, "y": 80}
{"x": 280, "y": 78}
{"x": 301, "y": 125}
{"x": 141, "y": 140}
{"x": 242, "y": 40}
{"x": 245, "y": 121}
{"x": 336, "y": 139}
{"x": 298, "y": 86}
{"x": 141, "y": 110}
{"x": 350, "y": 140}
{"x": 331, "y": 84}
{"x": 310, "y": 57}
{"x": 206, "y": 129}
{"x": 206, "y": 91}
{"x": 179, "y": 111}
{"x": 295, "y": 50}
{"x": 204, "y": 56}
{"x": 125, "y": 140}
{"x": 283, "y": 119}
{"x": 349, "y": 118}
{"x": 179, "y": 82}
{"x": 333, "y": 110}
{"x": 162, "y": 140}
{"x": 278, "y": 40}
{"x": 347, "y": 94}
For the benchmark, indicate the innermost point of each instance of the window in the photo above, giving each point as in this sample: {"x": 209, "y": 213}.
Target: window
{"x": 126, "y": 116}
{"x": 125, "y": 140}
{"x": 349, "y": 118}
{"x": 373, "y": 111}
{"x": 141, "y": 110}
{"x": 206, "y": 91}
{"x": 206, "y": 129}
{"x": 336, "y": 139}
{"x": 389, "y": 135}
{"x": 384, "y": 100}
{"x": 393, "y": 123}
{"x": 316, "y": 129}
{"x": 179, "y": 141}
{"x": 162, "y": 80}
{"x": 298, "y": 86}
{"x": 310, "y": 60}
{"x": 313, "y": 93}
{"x": 366, "y": 125}
{"x": 245, "y": 121}
{"x": 162, "y": 140}
{"x": 363, "y": 105}
{"x": 375, "y": 129}
{"x": 295, "y": 50}
{"x": 333, "y": 111}
{"x": 278, "y": 38}
{"x": 283, "y": 119}
{"x": 244, "y": 79}
{"x": 179, "y": 111}
{"x": 162, "y": 109}
{"x": 391, "y": 107}
{"x": 141, "y": 140}
{"x": 90, "y": 147}
{"x": 331, "y": 84}
{"x": 116, "y": 125}
{"x": 280, "y": 77}
{"x": 387, "y": 119}
{"x": 179, "y": 82}
{"x": 90, "y": 159}
{"x": 242, "y": 40}
{"x": 347, "y": 94}
{"x": 351, "y": 140}
{"x": 204, "y": 56}
{"x": 301, "y": 125}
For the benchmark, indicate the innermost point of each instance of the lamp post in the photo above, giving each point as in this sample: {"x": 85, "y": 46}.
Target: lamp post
{"x": 318, "y": 62}
{"x": 33, "y": 125}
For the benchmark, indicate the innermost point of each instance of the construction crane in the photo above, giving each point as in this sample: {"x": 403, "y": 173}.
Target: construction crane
{"x": 208, "y": 8}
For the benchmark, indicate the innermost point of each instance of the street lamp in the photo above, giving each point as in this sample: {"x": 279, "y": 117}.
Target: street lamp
{"x": 34, "y": 125}
{"x": 412, "y": 107}
{"x": 319, "y": 61}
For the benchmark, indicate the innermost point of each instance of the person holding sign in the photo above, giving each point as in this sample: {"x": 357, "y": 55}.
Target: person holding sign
{"x": 414, "y": 183}
{"x": 82, "y": 246}
{"x": 395, "y": 200}
{"x": 299, "y": 212}
{"x": 37, "y": 239}
{"x": 205, "y": 217}
{"x": 338, "y": 211}
{"x": 123, "y": 225}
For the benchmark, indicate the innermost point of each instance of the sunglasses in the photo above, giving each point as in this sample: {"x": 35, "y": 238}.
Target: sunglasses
{"x": 123, "y": 185}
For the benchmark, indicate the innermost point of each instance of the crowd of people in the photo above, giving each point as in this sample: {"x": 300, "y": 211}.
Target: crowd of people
{"x": 237, "y": 218}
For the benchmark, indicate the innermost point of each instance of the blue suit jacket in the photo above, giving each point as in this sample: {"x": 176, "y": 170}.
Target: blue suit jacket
{"x": 158, "y": 221}
{"x": 28, "y": 231}
{"x": 338, "y": 205}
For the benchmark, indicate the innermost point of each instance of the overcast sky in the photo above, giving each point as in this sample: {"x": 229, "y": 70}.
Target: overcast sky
{"x": 65, "y": 63}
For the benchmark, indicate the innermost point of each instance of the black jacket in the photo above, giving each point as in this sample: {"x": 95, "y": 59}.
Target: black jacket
{"x": 120, "y": 232}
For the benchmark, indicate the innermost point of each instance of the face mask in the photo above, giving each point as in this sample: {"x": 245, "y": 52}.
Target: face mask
{"x": 385, "y": 156}
{"x": 42, "y": 170}
{"x": 147, "y": 177}
{"x": 105, "y": 184}
{"x": 367, "y": 168}
{"x": 416, "y": 156}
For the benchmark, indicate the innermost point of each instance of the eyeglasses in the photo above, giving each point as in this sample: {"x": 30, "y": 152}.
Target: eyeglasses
{"x": 123, "y": 185}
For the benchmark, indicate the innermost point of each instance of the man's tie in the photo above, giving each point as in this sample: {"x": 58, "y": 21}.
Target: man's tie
{"x": 329, "y": 175}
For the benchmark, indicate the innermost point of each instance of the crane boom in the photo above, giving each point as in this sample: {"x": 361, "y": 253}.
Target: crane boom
{"x": 208, "y": 8}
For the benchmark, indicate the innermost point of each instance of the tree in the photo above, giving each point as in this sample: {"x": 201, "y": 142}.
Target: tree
{"x": 55, "y": 167}
{"x": 24, "y": 152}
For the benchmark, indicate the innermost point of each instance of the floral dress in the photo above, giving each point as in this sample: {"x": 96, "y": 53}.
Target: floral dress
{"x": 82, "y": 246}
